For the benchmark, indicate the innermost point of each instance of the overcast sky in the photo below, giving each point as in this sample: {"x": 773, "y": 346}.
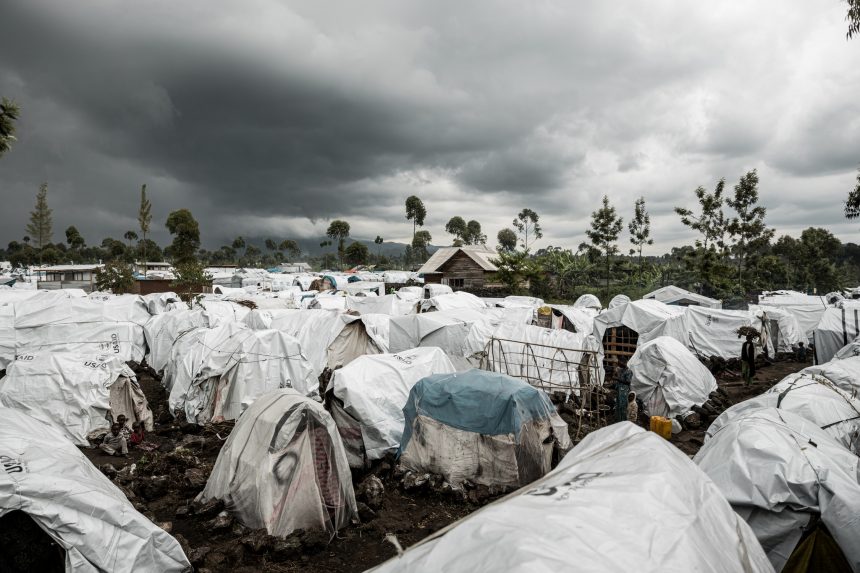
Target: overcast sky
{"x": 270, "y": 118}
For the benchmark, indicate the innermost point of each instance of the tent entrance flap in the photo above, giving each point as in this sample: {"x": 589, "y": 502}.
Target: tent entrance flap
{"x": 26, "y": 547}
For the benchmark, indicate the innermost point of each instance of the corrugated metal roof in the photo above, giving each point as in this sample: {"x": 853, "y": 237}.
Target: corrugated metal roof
{"x": 478, "y": 253}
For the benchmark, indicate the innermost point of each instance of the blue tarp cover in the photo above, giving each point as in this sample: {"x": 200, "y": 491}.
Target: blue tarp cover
{"x": 476, "y": 401}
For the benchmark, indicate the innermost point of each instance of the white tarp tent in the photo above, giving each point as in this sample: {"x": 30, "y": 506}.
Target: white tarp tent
{"x": 391, "y": 304}
{"x": 850, "y": 350}
{"x": 50, "y": 480}
{"x": 448, "y": 330}
{"x": 73, "y": 393}
{"x": 283, "y": 468}
{"x": 837, "y": 328}
{"x": 460, "y": 300}
{"x": 221, "y": 311}
{"x": 588, "y": 301}
{"x": 81, "y": 325}
{"x": 674, "y": 518}
{"x": 805, "y": 308}
{"x": 668, "y": 378}
{"x": 813, "y": 397}
{"x": 568, "y": 317}
{"x": 228, "y": 367}
{"x": 788, "y": 332}
{"x": 677, "y": 296}
{"x": 640, "y": 316}
{"x": 845, "y": 374}
{"x": 163, "y": 329}
{"x": 371, "y": 392}
{"x": 329, "y": 338}
{"x": 778, "y": 470}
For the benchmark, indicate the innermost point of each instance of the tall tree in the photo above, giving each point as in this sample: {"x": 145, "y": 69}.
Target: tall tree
{"x": 74, "y": 238}
{"x": 606, "y": 225}
{"x": 507, "y": 239}
{"x": 528, "y": 225}
{"x": 852, "y": 205}
{"x": 419, "y": 245}
{"x": 144, "y": 221}
{"x": 456, "y": 226}
{"x": 474, "y": 235}
{"x": 238, "y": 243}
{"x": 357, "y": 253}
{"x": 338, "y": 231}
{"x": 130, "y": 236}
{"x": 378, "y": 242}
{"x": 291, "y": 248}
{"x": 711, "y": 221}
{"x": 415, "y": 212}
{"x": 640, "y": 230}
{"x": 41, "y": 220}
{"x": 9, "y": 113}
{"x": 271, "y": 245}
{"x": 748, "y": 228}
{"x": 186, "y": 236}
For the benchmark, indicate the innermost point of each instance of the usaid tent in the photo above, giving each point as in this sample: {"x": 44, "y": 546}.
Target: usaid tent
{"x": 283, "y": 468}
{"x": 447, "y": 330}
{"x": 668, "y": 378}
{"x": 83, "y": 326}
{"x": 163, "y": 329}
{"x": 329, "y": 338}
{"x": 75, "y": 394}
{"x": 370, "y": 393}
{"x": 49, "y": 479}
{"x": 810, "y": 396}
{"x": 837, "y": 327}
{"x": 480, "y": 426}
{"x": 623, "y": 500}
{"x": 228, "y": 367}
{"x": 780, "y": 472}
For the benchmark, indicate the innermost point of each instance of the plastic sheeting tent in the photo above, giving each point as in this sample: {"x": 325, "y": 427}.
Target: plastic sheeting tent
{"x": 228, "y": 367}
{"x": 448, "y": 330}
{"x": 480, "y": 426}
{"x": 787, "y": 333}
{"x": 779, "y": 470}
{"x": 623, "y": 500}
{"x": 618, "y": 300}
{"x": 283, "y": 468}
{"x": 391, "y": 304}
{"x": 61, "y": 324}
{"x": 850, "y": 350}
{"x": 567, "y": 317}
{"x": 588, "y": 301}
{"x": 837, "y": 328}
{"x": 812, "y": 397}
{"x": 452, "y": 302}
{"x": 50, "y": 480}
{"x": 668, "y": 378}
{"x": 371, "y": 392}
{"x": 845, "y": 374}
{"x": 681, "y": 297}
{"x": 329, "y": 338}
{"x": 162, "y": 330}
{"x": 806, "y": 309}
{"x": 75, "y": 394}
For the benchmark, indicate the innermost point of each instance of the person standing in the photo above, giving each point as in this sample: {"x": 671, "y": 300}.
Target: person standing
{"x": 748, "y": 360}
{"x": 622, "y": 391}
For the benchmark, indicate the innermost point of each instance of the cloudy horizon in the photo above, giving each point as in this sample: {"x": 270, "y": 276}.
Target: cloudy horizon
{"x": 269, "y": 118}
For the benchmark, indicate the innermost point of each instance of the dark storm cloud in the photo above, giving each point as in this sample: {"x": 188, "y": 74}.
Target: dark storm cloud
{"x": 275, "y": 116}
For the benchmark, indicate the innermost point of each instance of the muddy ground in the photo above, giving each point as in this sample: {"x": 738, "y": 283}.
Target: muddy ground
{"x": 163, "y": 484}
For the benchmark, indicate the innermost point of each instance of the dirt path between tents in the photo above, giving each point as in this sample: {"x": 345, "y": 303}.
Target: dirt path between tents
{"x": 163, "y": 484}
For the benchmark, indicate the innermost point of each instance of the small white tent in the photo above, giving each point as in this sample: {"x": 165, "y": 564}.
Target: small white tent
{"x": 75, "y": 394}
{"x": 836, "y": 328}
{"x": 813, "y": 397}
{"x": 283, "y": 468}
{"x": 49, "y": 479}
{"x": 780, "y": 471}
{"x": 163, "y": 329}
{"x": 371, "y": 392}
{"x": 623, "y": 500}
{"x": 668, "y": 378}
{"x": 680, "y": 297}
